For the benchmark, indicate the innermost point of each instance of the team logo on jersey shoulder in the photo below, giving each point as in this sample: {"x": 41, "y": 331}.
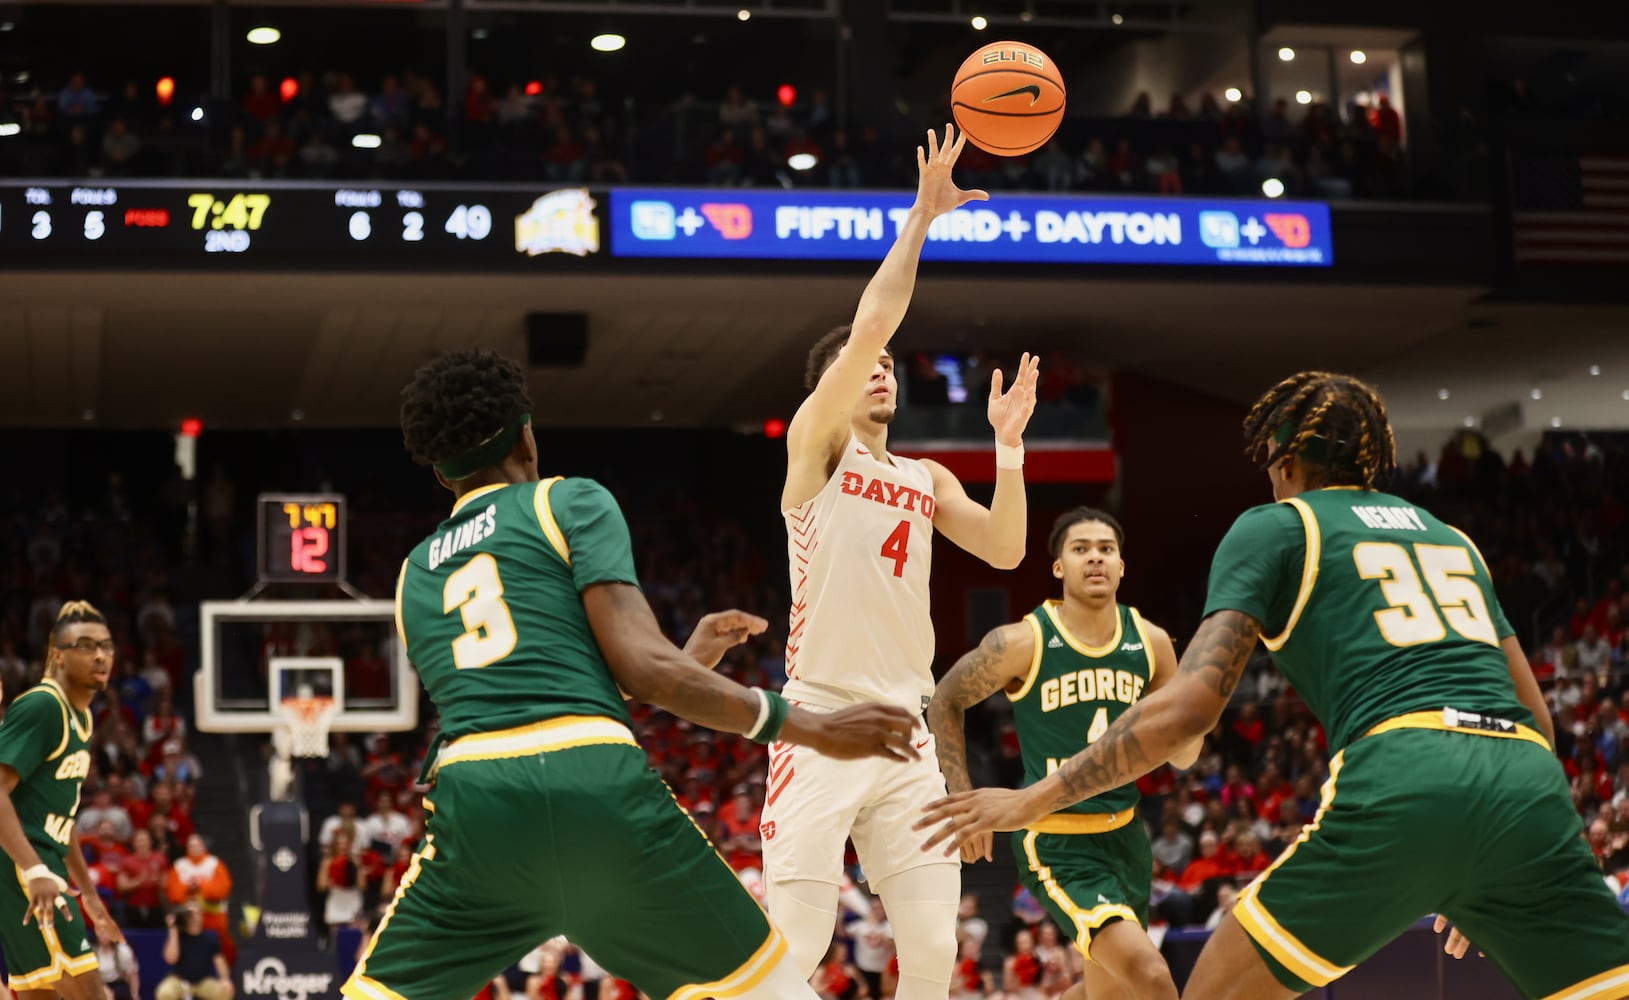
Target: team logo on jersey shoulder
{"x": 1054, "y": 643}
{"x": 1131, "y": 647}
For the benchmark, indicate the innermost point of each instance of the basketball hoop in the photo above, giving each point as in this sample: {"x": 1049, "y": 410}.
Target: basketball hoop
{"x": 305, "y": 726}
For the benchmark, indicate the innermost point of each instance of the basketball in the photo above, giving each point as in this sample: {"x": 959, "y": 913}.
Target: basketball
{"x": 1008, "y": 97}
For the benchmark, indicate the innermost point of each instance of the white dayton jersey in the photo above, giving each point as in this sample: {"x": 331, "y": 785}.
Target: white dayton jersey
{"x": 861, "y": 552}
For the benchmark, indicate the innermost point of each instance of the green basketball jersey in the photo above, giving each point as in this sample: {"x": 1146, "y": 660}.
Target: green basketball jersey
{"x": 47, "y": 742}
{"x": 1371, "y": 607}
{"x": 490, "y": 611}
{"x": 1074, "y": 693}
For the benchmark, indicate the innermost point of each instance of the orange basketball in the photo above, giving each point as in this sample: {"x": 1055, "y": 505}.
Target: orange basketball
{"x": 1008, "y": 97}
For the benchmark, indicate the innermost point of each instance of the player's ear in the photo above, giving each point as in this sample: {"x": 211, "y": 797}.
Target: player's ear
{"x": 1057, "y": 569}
{"x": 526, "y": 446}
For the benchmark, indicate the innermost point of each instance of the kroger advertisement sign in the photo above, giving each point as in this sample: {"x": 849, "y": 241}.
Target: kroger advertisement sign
{"x": 1008, "y": 229}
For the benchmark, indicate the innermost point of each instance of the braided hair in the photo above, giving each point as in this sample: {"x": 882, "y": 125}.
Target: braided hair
{"x": 458, "y": 400}
{"x": 1333, "y": 421}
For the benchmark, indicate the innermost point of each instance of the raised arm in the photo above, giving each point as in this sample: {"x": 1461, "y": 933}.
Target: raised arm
{"x": 1145, "y": 736}
{"x": 650, "y": 668}
{"x": 994, "y": 534}
{"x": 821, "y": 423}
{"x": 1002, "y": 660}
{"x": 1165, "y": 668}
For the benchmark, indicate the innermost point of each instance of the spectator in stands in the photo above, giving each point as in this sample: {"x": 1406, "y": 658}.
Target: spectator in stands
{"x": 390, "y": 107}
{"x": 1249, "y": 860}
{"x": 1233, "y": 166}
{"x": 139, "y": 880}
{"x": 261, "y": 102}
{"x": 340, "y": 880}
{"x": 346, "y": 103}
{"x": 736, "y": 111}
{"x": 198, "y": 966}
{"x": 200, "y": 879}
{"x": 1593, "y": 653}
{"x": 723, "y": 158}
{"x": 842, "y": 169}
{"x": 342, "y": 821}
{"x": 119, "y": 148}
{"x": 103, "y": 809}
{"x": 1173, "y": 848}
{"x": 1210, "y": 864}
{"x": 971, "y": 929}
{"x": 178, "y": 765}
{"x": 77, "y": 100}
{"x": 318, "y": 156}
{"x": 385, "y": 826}
{"x": 1021, "y": 972}
{"x": 121, "y": 974}
{"x": 161, "y": 724}
{"x": 271, "y": 154}
{"x": 873, "y": 940}
{"x": 737, "y": 831}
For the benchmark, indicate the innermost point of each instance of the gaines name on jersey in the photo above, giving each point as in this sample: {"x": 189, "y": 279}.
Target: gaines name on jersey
{"x": 481, "y": 526}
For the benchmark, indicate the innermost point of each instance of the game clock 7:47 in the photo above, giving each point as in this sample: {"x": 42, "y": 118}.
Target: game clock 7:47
{"x": 227, "y": 222}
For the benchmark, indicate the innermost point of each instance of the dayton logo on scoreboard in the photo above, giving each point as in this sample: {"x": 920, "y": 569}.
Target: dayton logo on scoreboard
{"x": 1268, "y": 237}
{"x": 559, "y": 222}
{"x": 661, "y": 220}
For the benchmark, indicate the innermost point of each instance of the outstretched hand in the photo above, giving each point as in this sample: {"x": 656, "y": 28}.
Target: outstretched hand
{"x": 719, "y": 632}
{"x": 1010, "y": 411}
{"x": 936, "y": 192}
{"x": 963, "y": 816}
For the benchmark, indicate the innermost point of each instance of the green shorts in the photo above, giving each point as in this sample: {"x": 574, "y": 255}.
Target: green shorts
{"x": 561, "y": 828}
{"x": 1476, "y": 827}
{"x": 37, "y": 957}
{"x": 1087, "y": 881}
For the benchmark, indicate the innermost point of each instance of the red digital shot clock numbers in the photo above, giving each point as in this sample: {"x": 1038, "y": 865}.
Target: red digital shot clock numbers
{"x": 301, "y": 537}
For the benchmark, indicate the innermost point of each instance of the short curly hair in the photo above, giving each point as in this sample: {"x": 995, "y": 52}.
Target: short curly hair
{"x": 824, "y": 352}
{"x": 458, "y": 400}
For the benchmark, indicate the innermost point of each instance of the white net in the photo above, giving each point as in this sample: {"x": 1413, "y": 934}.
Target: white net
{"x": 304, "y": 732}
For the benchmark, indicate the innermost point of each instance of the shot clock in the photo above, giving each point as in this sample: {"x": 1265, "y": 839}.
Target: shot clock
{"x": 301, "y": 537}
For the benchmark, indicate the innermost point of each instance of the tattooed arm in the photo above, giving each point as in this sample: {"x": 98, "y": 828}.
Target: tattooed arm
{"x": 1002, "y": 660}
{"x": 1153, "y": 730}
{"x": 1165, "y": 670}
{"x": 1148, "y": 734}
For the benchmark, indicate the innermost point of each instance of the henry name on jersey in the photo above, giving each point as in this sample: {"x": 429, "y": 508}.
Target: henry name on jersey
{"x": 462, "y": 537}
{"x": 890, "y": 494}
{"x": 1394, "y": 518}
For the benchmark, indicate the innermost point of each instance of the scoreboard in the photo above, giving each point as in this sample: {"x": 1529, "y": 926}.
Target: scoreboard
{"x": 210, "y": 223}
{"x": 535, "y": 228}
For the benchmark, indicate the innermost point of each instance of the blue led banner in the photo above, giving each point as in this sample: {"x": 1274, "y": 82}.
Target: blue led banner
{"x": 735, "y": 223}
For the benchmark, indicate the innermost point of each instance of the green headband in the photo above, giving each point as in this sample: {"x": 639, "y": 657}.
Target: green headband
{"x": 1316, "y": 450}
{"x": 488, "y": 452}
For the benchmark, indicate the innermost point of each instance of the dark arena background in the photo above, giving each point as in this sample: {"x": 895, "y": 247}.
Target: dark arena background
{"x": 229, "y": 232}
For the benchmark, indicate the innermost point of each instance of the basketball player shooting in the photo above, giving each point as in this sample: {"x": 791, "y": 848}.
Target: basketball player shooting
{"x": 859, "y": 525}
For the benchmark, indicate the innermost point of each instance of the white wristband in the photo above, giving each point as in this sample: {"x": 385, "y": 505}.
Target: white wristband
{"x": 42, "y": 871}
{"x": 757, "y": 727}
{"x": 1009, "y": 456}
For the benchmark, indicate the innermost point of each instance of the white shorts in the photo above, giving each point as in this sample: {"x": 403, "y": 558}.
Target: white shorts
{"x": 813, "y": 804}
